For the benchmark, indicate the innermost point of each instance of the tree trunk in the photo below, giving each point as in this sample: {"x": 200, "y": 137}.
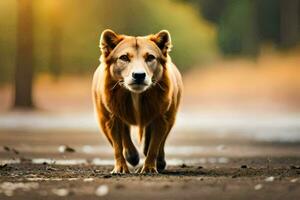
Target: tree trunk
{"x": 289, "y": 22}
{"x": 55, "y": 36}
{"x": 24, "y": 56}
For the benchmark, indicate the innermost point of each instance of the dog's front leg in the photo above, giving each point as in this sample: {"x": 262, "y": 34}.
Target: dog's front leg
{"x": 158, "y": 129}
{"x": 116, "y": 128}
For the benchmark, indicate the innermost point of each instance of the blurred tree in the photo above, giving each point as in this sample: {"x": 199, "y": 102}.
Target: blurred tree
{"x": 245, "y": 24}
{"x": 289, "y": 22}
{"x": 211, "y": 10}
{"x": 56, "y": 34}
{"x": 24, "y": 57}
{"x": 236, "y": 35}
{"x": 268, "y": 20}
{"x": 8, "y": 10}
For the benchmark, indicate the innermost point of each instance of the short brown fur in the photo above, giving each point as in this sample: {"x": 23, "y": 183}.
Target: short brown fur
{"x": 154, "y": 111}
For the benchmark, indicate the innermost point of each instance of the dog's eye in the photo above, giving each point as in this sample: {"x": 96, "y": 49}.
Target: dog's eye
{"x": 124, "y": 58}
{"x": 150, "y": 58}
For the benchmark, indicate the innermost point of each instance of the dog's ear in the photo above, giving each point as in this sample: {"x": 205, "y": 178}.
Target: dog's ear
{"x": 108, "y": 41}
{"x": 163, "y": 40}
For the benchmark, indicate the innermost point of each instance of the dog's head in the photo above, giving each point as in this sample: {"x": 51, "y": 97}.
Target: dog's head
{"x": 136, "y": 63}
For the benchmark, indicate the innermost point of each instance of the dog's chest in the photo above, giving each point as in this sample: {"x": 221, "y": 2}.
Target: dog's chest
{"x": 136, "y": 109}
{"x": 135, "y": 102}
{"x": 126, "y": 106}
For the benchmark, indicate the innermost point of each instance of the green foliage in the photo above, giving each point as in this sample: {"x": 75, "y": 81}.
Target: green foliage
{"x": 236, "y": 35}
{"x": 82, "y": 23}
{"x": 243, "y": 25}
{"x": 211, "y": 10}
{"x": 268, "y": 15}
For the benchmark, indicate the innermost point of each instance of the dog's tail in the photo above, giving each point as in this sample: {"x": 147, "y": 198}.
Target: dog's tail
{"x": 141, "y": 133}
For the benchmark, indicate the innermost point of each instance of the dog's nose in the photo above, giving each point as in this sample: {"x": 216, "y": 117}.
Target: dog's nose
{"x": 138, "y": 77}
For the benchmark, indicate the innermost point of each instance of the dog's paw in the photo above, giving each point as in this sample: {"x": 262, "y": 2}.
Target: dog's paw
{"x": 120, "y": 169}
{"x": 160, "y": 164}
{"x": 147, "y": 170}
{"x": 132, "y": 157}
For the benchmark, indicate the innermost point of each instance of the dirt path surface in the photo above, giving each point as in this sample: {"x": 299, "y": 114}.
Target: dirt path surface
{"x": 36, "y": 165}
{"x": 178, "y": 182}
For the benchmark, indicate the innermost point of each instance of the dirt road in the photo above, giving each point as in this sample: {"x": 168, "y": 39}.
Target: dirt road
{"x": 34, "y": 165}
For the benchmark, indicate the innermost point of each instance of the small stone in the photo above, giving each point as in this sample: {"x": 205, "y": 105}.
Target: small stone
{"x": 244, "y": 166}
{"x": 183, "y": 165}
{"x": 88, "y": 179}
{"x": 102, "y": 190}
{"x": 6, "y": 148}
{"x": 69, "y": 149}
{"x": 294, "y": 180}
{"x": 107, "y": 176}
{"x": 3, "y": 166}
{"x": 65, "y": 148}
{"x": 270, "y": 179}
{"x": 62, "y": 192}
{"x": 234, "y": 176}
{"x": 73, "y": 179}
{"x": 258, "y": 186}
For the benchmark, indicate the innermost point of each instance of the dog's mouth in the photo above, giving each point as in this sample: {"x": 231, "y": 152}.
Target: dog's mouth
{"x": 137, "y": 87}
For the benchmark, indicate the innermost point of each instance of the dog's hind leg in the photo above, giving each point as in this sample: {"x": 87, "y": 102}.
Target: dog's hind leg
{"x": 129, "y": 151}
{"x": 160, "y": 161}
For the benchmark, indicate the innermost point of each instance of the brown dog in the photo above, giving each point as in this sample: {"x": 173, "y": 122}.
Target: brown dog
{"x": 136, "y": 84}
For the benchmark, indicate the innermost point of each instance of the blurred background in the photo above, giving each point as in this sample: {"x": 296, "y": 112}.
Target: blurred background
{"x": 240, "y": 61}
{"x": 235, "y": 55}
